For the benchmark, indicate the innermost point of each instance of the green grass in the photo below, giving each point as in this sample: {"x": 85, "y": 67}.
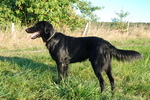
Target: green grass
{"x": 33, "y": 75}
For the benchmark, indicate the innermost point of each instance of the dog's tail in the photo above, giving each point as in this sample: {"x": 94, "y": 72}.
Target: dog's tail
{"x": 124, "y": 55}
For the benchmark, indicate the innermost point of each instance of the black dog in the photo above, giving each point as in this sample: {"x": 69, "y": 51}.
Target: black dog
{"x": 65, "y": 49}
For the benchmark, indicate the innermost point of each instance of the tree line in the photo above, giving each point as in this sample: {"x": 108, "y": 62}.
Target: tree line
{"x": 26, "y": 12}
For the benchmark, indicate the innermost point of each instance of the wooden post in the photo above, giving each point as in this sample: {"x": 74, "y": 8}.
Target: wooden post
{"x": 12, "y": 28}
{"x": 84, "y": 32}
{"x": 128, "y": 28}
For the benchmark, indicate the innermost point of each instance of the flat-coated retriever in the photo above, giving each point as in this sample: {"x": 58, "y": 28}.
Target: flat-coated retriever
{"x": 66, "y": 49}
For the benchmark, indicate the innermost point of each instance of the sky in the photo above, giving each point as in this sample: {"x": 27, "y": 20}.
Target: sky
{"x": 139, "y": 10}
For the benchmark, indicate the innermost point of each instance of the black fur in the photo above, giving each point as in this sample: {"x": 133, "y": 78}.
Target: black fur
{"x": 66, "y": 49}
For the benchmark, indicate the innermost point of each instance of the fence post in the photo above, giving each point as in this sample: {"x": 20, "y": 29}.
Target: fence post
{"x": 12, "y": 27}
{"x": 128, "y": 28}
{"x": 84, "y": 32}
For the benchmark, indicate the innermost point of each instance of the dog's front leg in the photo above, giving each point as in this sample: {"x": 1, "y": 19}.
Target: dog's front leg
{"x": 62, "y": 71}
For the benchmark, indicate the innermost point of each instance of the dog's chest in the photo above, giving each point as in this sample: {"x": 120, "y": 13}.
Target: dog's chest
{"x": 58, "y": 52}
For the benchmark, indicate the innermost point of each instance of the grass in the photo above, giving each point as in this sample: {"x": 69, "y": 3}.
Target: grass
{"x": 26, "y": 75}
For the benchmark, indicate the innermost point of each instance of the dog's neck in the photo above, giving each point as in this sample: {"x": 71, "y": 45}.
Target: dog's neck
{"x": 51, "y": 36}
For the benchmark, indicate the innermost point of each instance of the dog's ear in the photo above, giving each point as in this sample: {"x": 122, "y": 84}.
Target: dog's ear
{"x": 49, "y": 28}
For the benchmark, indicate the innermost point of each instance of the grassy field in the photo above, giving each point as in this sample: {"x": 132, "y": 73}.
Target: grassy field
{"x": 27, "y": 74}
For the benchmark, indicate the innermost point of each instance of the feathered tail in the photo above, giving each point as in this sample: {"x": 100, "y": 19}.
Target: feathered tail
{"x": 124, "y": 55}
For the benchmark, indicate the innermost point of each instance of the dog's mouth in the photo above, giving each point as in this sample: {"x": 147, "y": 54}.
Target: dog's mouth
{"x": 35, "y": 35}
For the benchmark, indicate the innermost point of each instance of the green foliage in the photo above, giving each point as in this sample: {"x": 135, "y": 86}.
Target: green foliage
{"x": 121, "y": 26}
{"x": 55, "y": 11}
{"x": 30, "y": 76}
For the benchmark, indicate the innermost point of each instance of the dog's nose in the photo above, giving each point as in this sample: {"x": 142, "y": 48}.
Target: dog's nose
{"x": 26, "y": 30}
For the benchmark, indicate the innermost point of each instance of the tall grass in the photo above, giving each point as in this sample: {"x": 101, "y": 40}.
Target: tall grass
{"x": 29, "y": 75}
{"x": 107, "y": 32}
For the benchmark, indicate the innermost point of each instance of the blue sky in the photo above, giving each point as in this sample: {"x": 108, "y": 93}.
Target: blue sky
{"x": 139, "y": 9}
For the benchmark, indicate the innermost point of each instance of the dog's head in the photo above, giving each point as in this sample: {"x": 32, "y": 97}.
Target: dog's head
{"x": 41, "y": 29}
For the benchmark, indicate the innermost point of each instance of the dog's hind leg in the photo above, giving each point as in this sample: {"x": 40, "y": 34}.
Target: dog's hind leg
{"x": 97, "y": 67}
{"x": 111, "y": 79}
{"x": 101, "y": 80}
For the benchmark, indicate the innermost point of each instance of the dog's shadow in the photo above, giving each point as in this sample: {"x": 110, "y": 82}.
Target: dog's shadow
{"x": 26, "y": 63}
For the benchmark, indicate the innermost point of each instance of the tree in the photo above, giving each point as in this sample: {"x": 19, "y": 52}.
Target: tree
{"x": 122, "y": 15}
{"x": 55, "y": 11}
{"x": 87, "y": 10}
{"x": 119, "y": 23}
